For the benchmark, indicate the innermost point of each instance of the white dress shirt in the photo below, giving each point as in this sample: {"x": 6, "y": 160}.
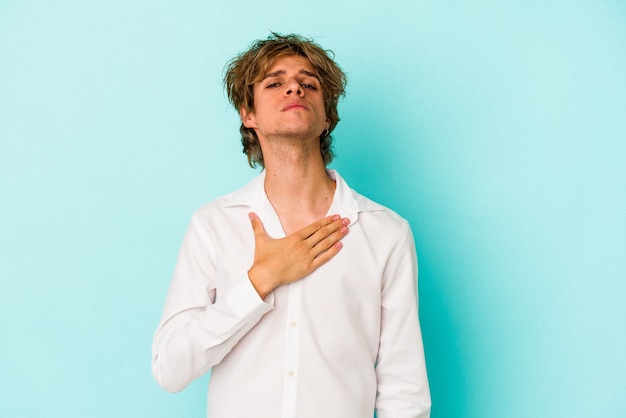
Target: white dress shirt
{"x": 342, "y": 342}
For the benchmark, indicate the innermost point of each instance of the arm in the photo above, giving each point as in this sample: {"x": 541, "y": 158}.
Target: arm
{"x": 197, "y": 329}
{"x": 403, "y": 390}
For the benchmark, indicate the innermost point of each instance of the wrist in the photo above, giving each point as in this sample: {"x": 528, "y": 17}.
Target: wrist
{"x": 261, "y": 284}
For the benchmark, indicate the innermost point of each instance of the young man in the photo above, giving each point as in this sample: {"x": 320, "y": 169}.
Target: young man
{"x": 311, "y": 310}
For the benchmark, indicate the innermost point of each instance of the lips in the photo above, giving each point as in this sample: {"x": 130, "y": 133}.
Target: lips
{"x": 295, "y": 106}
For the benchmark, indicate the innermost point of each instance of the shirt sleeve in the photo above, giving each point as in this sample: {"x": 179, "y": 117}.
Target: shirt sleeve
{"x": 403, "y": 390}
{"x": 198, "y": 329}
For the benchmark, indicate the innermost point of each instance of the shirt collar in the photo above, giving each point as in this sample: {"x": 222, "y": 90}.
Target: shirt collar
{"x": 346, "y": 202}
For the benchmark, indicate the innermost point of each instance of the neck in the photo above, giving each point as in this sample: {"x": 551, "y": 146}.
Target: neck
{"x": 298, "y": 188}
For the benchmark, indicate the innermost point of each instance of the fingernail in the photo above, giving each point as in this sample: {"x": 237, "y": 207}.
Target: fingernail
{"x": 336, "y": 218}
{"x": 346, "y": 221}
{"x": 251, "y": 216}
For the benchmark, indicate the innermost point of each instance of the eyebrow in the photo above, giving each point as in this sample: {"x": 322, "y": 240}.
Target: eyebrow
{"x": 283, "y": 72}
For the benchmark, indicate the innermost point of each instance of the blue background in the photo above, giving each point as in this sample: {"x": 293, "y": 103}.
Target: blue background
{"x": 497, "y": 128}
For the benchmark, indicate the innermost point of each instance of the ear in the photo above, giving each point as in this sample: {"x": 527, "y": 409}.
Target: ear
{"x": 247, "y": 118}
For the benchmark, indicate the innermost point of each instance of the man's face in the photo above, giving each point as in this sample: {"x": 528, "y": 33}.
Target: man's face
{"x": 288, "y": 102}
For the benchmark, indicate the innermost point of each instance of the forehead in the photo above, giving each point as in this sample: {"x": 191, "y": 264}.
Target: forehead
{"x": 290, "y": 62}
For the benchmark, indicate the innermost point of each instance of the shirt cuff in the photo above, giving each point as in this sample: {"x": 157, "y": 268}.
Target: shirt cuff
{"x": 244, "y": 300}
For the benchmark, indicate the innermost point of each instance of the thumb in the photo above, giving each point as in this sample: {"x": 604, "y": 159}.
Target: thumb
{"x": 257, "y": 226}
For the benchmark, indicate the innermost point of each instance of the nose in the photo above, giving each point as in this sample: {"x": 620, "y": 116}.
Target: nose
{"x": 293, "y": 86}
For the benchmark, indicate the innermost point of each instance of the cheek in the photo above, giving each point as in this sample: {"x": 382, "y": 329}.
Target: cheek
{"x": 323, "y": 112}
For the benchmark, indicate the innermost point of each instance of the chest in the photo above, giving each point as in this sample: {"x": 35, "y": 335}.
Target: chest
{"x": 354, "y": 275}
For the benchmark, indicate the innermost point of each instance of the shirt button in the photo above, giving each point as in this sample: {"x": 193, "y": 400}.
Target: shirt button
{"x": 293, "y": 323}
{"x": 291, "y": 373}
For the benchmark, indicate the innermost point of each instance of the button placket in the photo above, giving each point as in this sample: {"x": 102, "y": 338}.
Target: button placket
{"x": 292, "y": 350}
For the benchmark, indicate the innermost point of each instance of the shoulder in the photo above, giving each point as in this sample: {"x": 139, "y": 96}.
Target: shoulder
{"x": 376, "y": 218}
{"x": 244, "y": 197}
{"x": 371, "y": 215}
{"x": 377, "y": 213}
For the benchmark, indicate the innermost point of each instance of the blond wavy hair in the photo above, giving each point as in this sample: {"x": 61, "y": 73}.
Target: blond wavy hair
{"x": 250, "y": 66}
